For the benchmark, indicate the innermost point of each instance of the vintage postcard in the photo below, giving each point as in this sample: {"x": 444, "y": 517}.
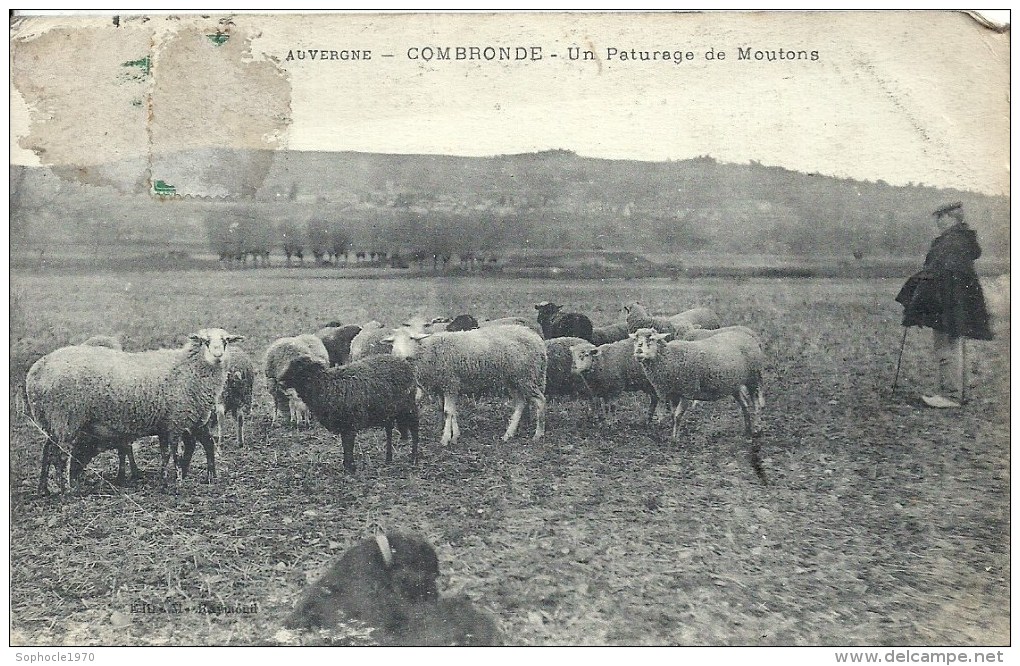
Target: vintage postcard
{"x": 524, "y": 329}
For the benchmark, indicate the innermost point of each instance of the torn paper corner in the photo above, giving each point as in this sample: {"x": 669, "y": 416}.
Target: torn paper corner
{"x": 175, "y": 112}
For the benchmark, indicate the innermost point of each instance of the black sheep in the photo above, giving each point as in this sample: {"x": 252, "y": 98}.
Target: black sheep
{"x": 463, "y": 322}
{"x": 375, "y": 392}
{"x": 337, "y": 341}
{"x": 562, "y": 325}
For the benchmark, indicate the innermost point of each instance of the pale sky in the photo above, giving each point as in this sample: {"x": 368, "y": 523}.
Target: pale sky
{"x": 903, "y": 97}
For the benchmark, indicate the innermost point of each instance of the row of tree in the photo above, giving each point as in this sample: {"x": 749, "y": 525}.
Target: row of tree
{"x": 400, "y": 238}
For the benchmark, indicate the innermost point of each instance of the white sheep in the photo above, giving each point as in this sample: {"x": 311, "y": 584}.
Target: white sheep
{"x": 277, "y": 356}
{"x": 698, "y": 318}
{"x": 88, "y": 399}
{"x": 603, "y": 335}
{"x": 559, "y": 378}
{"x": 728, "y": 363}
{"x": 638, "y": 317}
{"x": 368, "y": 341}
{"x": 493, "y": 360}
{"x": 610, "y": 370}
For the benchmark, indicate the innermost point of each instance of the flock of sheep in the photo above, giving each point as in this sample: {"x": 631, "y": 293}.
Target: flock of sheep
{"x": 93, "y": 397}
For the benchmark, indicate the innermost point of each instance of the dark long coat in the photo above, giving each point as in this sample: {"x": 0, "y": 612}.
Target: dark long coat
{"x": 945, "y": 295}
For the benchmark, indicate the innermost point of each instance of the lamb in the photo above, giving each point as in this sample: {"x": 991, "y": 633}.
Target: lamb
{"x": 560, "y": 325}
{"x": 604, "y": 335}
{"x": 497, "y": 359}
{"x": 559, "y": 380}
{"x": 87, "y": 399}
{"x": 728, "y": 363}
{"x": 337, "y": 341}
{"x": 638, "y": 317}
{"x": 698, "y": 318}
{"x": 377, "y": 391}
{"x": 611, "y": 369}
{"x": 369, "y": 341}
{"x": 279, "y": 353}
{"x": 236, "y": 398}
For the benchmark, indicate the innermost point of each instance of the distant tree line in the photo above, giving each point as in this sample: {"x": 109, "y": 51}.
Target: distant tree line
{"x": 244, "y": 237}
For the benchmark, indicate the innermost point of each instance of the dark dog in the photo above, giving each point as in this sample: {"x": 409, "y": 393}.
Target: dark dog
{"x": 374, "y": 582}
{"x": 389, "y": 583}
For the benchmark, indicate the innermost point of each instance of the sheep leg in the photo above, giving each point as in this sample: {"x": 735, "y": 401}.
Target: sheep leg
{"x": 451, "y": 430}
{"x": 189, "y": 450}
{"x": 240, "y": 429}
{"x": 347, "y": 438}
{"x": 749, "y": 407}
{"x": 653, "y": 404}
{"x": 758, "y": 404}
{"x": 752, "y": 427}
{"x": 121, "y": 459}
{"x": 220, "y": 413}
{"x": 48, "y": 452}
{"x": 678, "y": 416}
{"x": 168, "y": 449}
{"x": 209, "y": 445}
{"x": 130, "y": 450}
{"x": 538, "y": 407}
{"x": 515, "y": 418}
{"x": 65, "y": 469}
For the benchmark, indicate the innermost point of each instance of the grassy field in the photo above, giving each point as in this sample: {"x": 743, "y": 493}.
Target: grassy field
{"x": 883, "y": 523}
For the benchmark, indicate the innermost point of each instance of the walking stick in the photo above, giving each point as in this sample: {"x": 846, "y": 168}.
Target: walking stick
{"x": 963, "y": 370}
{"x": 903, "y": 342}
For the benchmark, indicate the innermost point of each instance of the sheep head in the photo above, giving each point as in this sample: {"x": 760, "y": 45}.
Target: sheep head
{"x": 646, "y": 343}
{"x": 298, "y": 368}
{"x": 213, "y": 342}
{"x": 547, "y": 309}
{"x": 582, "y": 357}
{"x": 635, "y": 307}
{"x": 405, "y": 342}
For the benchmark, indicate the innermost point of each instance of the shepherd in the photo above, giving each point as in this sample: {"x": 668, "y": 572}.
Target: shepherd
{"x": 946, "y": 297}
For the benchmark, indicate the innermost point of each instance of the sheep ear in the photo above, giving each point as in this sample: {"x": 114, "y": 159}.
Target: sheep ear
{"x": 234, "y": 339}
{"x": 596, "y": 351}
{"x": 539, "y": 306}
{"x": 420, "y": 336}
{"x": 198, "y": 339}
{"x": 632, "y": 336}
{"x": 660, "y": 336}
{"x": 388, "y": 340}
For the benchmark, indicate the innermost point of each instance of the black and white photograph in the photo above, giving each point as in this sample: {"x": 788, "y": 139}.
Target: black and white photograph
{"x": 632, "y": 328}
